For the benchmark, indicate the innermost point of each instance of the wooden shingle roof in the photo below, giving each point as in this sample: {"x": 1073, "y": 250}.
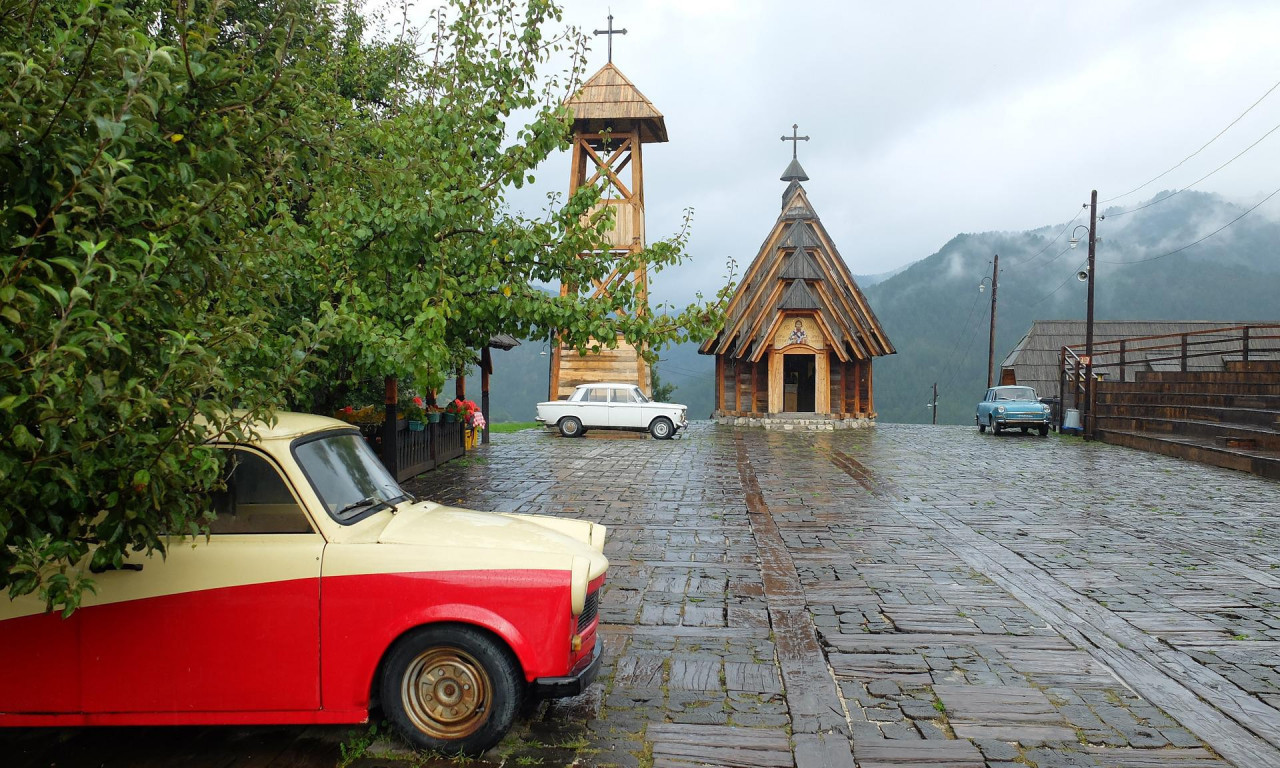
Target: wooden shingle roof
{"x": 608, "y": 97}
{"x": 798, "y": 269}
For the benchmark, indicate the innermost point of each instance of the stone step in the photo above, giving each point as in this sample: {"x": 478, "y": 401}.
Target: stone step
{"x": 1265, "y": 463}
{"x": 1266, "y": 438}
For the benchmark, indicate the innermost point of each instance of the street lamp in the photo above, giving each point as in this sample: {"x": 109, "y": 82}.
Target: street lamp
{"x": 991, "y": 343}
{"x": 1088, "y": 322}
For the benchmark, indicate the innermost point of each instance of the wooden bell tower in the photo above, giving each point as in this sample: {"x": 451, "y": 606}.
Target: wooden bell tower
{"x": 612, "y": 121}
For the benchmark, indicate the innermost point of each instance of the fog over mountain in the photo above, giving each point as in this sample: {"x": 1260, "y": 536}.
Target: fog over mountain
{"x": 938, "y": 320}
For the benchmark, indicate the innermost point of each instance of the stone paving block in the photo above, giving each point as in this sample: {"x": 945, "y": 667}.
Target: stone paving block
{"x": 935, "y": 754}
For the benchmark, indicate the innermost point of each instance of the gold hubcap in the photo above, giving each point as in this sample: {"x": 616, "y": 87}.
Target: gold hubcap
{"x": 446, "y": 693}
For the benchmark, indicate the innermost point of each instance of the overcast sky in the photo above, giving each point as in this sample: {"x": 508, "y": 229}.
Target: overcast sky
{"x": 929, "y": 119}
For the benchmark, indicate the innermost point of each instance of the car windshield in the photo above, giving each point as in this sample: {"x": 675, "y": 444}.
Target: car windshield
{"x": 1016, "y": 393}
{"x": 349, "y": 479}
{"x": 640, "y": 398}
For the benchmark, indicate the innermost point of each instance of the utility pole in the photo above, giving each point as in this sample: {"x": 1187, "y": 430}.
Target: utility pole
{"x": 934, "y": 407}
{"x": 1088, "y": 323}
{"x": 991, "y": 345}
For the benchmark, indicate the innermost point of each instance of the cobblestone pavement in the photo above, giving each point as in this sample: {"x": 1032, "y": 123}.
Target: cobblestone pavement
{"x": 902, "y": 596}
{"x": 906, "y": 595}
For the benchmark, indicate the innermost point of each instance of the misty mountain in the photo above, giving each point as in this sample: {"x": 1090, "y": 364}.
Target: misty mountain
{"x": 938, "y": 320}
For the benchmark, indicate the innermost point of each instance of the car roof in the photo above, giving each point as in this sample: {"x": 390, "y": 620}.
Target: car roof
{"x": 288, "y": 425}
{"x": 604, "y": 384}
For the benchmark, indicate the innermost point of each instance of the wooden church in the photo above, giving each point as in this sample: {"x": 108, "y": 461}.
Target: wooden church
{"x": 612, "y": 121}
{"x": 799, "y": 337}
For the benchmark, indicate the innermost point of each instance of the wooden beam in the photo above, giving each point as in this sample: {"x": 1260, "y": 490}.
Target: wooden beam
{"x": 486, "y": 366}
{"x": 775, "y": 381}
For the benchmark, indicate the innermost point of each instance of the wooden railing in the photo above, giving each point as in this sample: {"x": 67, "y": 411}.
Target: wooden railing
{"x": 1112, "y": 358}
{"x": 408, "y": 452}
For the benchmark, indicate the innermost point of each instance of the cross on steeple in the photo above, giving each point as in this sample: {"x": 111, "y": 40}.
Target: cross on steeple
{"x": 795, "y": 138}
{"x": 610, "y": 32}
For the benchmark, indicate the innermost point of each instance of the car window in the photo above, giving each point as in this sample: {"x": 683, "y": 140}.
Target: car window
{"x": 597, "y": 395}
{"x": 256, "y": 499}
{"x": 621, "y": 396}
{"x": 639, "y": 396}
{"x": 578, "y": 396}
{"x": 347, "y": 475}
{"x": 1017, "y": 393}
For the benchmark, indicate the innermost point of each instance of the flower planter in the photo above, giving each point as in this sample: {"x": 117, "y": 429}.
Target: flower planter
{"x": 450, "y": 418}
{"x": 416, "y": 426}
{"x": 434, "y": 417}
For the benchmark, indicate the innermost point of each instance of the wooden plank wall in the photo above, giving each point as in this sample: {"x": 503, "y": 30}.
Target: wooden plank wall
{"x": 622, "y": 364}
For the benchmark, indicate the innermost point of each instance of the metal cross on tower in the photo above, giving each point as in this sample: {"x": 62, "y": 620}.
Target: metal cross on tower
{"x": 795, "y": 138}
{"x": 610, "y": 32}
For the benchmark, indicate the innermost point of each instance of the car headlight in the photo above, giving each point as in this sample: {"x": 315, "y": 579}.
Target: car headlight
{"x": 999, "y": 409}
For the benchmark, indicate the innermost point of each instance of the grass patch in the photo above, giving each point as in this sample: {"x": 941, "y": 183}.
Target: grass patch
{"x": 513, "y": 426}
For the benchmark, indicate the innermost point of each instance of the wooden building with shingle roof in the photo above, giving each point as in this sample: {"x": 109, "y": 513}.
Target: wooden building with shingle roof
{"x": 612, "y": 121}
{"x": 799, "y": 337}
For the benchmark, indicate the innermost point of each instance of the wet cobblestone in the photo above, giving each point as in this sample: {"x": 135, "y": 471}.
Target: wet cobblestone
{"x": 1031, "y": 601}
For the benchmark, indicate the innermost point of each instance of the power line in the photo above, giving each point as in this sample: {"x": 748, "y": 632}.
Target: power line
{"x": 1064, "y": 282}
{"x": 1201, "y": 240}
{"x": 1198, "y": 151}
{"x": 1197, "y": 181}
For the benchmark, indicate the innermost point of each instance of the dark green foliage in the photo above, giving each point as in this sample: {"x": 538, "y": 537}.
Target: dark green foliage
{"x": 139, "y": 142}
{"x": 210, "y": 206}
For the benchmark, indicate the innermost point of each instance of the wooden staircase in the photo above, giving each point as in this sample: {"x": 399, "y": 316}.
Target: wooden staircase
{"x": 1226, "y": 418}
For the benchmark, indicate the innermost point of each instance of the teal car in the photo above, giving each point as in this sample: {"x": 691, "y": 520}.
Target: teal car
{"x": 1006, "y": 407}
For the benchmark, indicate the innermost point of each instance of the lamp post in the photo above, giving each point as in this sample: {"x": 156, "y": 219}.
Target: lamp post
{"x": 1088, "y": 322}
{"x": 991, "y": 342}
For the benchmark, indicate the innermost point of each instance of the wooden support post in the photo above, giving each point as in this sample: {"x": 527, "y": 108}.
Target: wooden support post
{"x": 460, "y": 383}
{"x": 1122, "y": 360}
{"x": 1184, "y": 353}
{"x": 719, "y": 393}
{"x": 486, "y": 367}
{"x": 871, "y": 392}
{"x": 1244, "y": 344}
{"x": 390, "y": 424}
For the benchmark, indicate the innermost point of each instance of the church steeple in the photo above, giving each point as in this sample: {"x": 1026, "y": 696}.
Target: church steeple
{"x": 794, "y": 171}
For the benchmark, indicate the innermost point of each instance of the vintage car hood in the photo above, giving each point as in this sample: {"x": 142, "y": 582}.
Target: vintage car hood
{"x": 429, "y": 523}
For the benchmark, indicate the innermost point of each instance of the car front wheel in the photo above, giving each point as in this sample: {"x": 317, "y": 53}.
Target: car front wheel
{"x": 995, "y": 426}
{"x": 981, "y": 427}
{"x": 451, "y": 689}
{"x": 570, "y": 426}
{"x": 1044, "y": 430}
{"x": 661, "y": 428}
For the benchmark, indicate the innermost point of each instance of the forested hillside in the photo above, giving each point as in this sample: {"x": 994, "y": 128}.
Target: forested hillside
{"x": 938, "y": 320}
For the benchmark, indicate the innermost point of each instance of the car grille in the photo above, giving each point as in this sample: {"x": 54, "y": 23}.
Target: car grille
{"x": 589, "y": 610}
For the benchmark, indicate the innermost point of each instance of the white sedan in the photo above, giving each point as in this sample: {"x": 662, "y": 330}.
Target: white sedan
{"x": 612, "y": 406}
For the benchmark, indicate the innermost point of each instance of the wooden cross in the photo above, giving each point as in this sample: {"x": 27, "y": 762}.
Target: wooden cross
{"x": 795, "y": 139}
{"x": 610, "y": 32}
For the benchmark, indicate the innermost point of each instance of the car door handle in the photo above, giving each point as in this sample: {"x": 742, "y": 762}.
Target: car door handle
{"x": 122, "y": 567}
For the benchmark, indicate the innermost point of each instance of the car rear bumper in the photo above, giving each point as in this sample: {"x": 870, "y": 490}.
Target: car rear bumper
{"x": 570, "y": 685}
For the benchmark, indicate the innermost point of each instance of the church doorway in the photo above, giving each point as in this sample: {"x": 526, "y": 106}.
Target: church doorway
{"x": 799, "y": 376}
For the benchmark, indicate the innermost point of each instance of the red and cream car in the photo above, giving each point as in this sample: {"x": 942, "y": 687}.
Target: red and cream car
{"x": 323, "y": 589}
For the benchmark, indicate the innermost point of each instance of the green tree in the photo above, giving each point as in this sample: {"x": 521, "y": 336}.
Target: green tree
{"x": 139, "y": 142}
{"x": 208, "y": 206}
